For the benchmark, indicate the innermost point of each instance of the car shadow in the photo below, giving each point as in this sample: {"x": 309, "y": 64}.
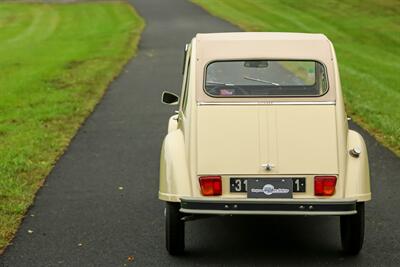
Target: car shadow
{"x": 274, "y": 240}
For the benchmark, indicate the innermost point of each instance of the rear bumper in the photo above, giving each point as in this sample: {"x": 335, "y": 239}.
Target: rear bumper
{"x": 267, "y": 207}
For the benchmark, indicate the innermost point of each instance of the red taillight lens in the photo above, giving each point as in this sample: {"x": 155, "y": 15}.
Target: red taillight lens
{"x": 211, "y": 185}
{"x": 324, "y": 185}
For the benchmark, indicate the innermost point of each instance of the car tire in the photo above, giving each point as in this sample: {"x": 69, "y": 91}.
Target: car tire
{"x": 352, "y": 230}
{"x": 174, "y": 229}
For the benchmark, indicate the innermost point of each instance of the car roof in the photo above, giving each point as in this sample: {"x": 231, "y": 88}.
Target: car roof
{"x": 253, "y": 36}
{"x": 273, "y": 45}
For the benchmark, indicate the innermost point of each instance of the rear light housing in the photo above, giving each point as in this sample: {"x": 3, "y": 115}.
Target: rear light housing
{"x": 324, "y": 185}
{"x": 211, "y": 185}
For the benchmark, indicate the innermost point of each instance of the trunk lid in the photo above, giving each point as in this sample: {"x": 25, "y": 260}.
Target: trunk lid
{"x": 239, "y": 139}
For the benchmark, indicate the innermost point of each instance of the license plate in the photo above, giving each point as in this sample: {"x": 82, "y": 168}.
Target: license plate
{"x": 270, "y": 188}
{"x": 239, "y": 185}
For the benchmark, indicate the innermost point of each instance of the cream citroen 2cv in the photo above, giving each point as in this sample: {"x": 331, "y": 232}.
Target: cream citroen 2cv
{"x": 261, "y": 129}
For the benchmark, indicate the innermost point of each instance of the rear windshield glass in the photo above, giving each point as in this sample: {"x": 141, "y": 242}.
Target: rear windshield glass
{"x": 260, "y": 78}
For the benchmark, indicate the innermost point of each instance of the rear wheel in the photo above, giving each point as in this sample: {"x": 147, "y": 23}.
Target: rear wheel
{"x": 352, "y": 230}
{"x": 174, "y": 229}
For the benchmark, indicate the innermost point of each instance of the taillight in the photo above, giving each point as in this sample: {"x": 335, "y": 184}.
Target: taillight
{"x": 324, "y": 185}
{"x": 211, "y": 185}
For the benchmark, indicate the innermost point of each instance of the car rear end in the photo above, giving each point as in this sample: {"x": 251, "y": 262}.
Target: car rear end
{"x": 268, "y": 159}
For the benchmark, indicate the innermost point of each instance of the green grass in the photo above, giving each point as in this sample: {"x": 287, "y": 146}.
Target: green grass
{"x": 56, "y": 61}
{"x": 366, "y": 36}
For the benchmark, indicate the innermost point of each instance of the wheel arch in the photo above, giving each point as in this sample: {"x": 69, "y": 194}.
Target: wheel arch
{"x": 174, "y": 174}
{"x": 357, "y": 174}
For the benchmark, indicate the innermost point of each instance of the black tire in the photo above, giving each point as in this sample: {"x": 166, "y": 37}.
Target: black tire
{"x": 174, "y": 229}
{"x": 352, "y": 230}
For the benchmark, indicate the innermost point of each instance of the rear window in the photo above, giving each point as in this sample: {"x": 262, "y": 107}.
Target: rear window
{"x": 262, "y": 78}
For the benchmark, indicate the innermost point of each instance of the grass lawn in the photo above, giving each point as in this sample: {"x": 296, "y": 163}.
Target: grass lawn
{"x": 56, "y": 61}
{"x": 366, "y": 36}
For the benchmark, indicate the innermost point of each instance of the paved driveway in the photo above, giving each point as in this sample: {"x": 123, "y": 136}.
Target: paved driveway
{"x": 99, "y": 205}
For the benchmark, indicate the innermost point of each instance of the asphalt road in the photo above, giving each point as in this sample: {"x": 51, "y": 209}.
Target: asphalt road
{"x": 99, "y": 205}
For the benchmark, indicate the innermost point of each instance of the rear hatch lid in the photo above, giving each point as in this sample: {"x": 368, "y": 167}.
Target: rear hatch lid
{"x": 241, "y": 139}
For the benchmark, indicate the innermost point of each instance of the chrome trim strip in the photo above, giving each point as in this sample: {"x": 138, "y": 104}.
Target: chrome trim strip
{"x": 268, "y": 103}
{"x": 244, "y": 212}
